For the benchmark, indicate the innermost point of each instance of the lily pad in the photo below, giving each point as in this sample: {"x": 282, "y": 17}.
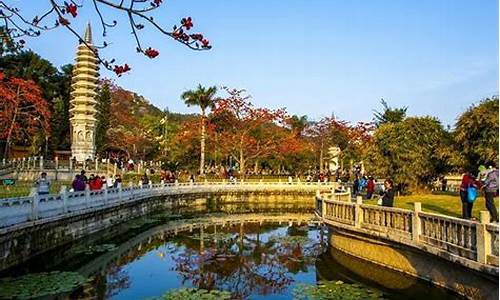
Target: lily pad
{"x": 40, "y": 284}
{"x": 194, "y": 294}
{"x": 335, "y": 290}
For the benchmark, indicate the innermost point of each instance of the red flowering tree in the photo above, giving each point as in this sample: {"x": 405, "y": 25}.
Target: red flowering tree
{"x": 245, "y": 131}
{"x": 23, "y": 111}
{"x": 16, "y": 25}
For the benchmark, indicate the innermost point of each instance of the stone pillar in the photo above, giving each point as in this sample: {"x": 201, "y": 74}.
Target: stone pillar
{"x": 358, "y": 212}
{"x": 483, "y": 238}
{"x": 416, "y": 228}
{"x": 64, "y": 197}
{"x": 34, "y": 205}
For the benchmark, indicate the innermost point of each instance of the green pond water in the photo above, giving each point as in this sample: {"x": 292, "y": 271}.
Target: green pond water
{"x": 143, "y": 259}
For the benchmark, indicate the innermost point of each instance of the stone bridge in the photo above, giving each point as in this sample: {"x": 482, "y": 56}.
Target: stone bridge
{"x": 458, "y": 254}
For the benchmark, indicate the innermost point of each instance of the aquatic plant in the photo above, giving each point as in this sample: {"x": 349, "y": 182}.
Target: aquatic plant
{"x": 40, "y": 285}
{"x": 338, "y": 290}
{"x": 194, "y": 294}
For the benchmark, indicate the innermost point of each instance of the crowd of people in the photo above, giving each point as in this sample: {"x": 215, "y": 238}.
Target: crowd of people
{"x": 95, "y": 182}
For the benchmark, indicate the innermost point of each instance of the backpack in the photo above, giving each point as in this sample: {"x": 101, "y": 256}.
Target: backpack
{"x": 471, "y": 194}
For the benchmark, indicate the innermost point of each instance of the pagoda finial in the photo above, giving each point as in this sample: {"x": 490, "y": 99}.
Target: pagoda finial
{"x": 88, "y": 34}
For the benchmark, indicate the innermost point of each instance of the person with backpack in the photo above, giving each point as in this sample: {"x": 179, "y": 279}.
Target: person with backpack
{"x": 490, "y": 187}
{"x": 468, "y": 194}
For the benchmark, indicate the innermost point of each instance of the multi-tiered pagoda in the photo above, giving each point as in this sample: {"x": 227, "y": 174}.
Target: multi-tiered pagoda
{"x": 83, "y": 100}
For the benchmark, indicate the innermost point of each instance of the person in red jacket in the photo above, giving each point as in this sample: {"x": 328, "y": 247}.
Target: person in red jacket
{"x": 467, "y": 181}
{"x": 370, "y": 187}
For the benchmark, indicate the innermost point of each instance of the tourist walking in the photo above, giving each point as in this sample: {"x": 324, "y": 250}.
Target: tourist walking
{"x": 370, "y": 187}
{"x": 388, "y": 195}
{"x": 355, "y": 185}
{"x": 42, "y": 184}
{"x": 490, "y": 187}
{"x": 118, "y": 181}
{"x": 145, "y": 179}
{"x": 468, "y": 183}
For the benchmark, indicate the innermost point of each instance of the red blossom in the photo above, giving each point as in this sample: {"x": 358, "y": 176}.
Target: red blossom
{"x": 71, "y": 9}
{"x": 151, "y": 53}
{"x": 119, "y": 70}
{"x": 205, "y": 43}
{"x": 157, "y": 2}
{"x": 63, "y": 21}
{"x": 187, "y": 23}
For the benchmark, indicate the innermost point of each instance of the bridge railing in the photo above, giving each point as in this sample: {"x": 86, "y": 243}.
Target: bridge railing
{"x": 470, "y": 240}
{"x": 32, "y": 208}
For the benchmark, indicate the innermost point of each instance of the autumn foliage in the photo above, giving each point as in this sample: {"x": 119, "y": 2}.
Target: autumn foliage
{"x": 23, "y": 110}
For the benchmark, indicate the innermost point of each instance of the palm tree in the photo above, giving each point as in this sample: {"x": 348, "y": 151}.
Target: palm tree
{"x": 204, "y": 98}
{"x": 298, "y": 124}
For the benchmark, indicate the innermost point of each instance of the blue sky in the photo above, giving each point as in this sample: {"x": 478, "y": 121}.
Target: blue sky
{"x": 312, "y": 57}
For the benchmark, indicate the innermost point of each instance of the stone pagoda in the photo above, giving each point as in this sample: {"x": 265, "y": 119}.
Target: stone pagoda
{"x": 83, "y": 100}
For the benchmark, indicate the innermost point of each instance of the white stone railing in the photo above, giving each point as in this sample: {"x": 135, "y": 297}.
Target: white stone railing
{"x": 33, "y": 208}
{"x": 469, "y": 242}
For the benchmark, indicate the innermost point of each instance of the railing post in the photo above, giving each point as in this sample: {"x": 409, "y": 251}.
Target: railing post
{"x": 70, "y": 164}
{"x": 358, "y": 212}
{"x": 34, "y": 206}
{"x": 105, "y": 191}
{"x": 56, "y": 162}
{"x": 416, "y": 228}
{"x": 114, "y": 170}
{"x": 349, "y": 193}
{"x": 87, "y": 195}
{"x": 41, "y": 163}
{"x": 3, "y": 161}
{"x": 120, "y": 191}
{"x": 96, "y": 164}
{"x": 483, "y": 238}
{"x": 64, "y": 197}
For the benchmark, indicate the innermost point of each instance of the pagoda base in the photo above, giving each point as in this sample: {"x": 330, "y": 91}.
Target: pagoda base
{"x": 82, "y": 154}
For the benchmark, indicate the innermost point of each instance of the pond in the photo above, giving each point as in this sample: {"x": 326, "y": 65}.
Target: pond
{"x": 145, "y": 258}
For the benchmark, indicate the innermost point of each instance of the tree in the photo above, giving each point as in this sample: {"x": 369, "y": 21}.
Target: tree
{"x": 413, "y": 152}
{"x": 205, "y": 99}
{"x": 23, "y": 111}
{"x": 389, "y": 114}
{"x": 60, "y": 124}
{"x": 298, "y": 124}
{"x": 16, "y": 25}
{"x": 246, "y": 132}
{"x": 103, "y": 117}
{"x": 476, "y": 135}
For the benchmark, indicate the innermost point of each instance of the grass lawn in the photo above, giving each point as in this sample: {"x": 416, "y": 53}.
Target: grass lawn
{"x": 443, "y": 204}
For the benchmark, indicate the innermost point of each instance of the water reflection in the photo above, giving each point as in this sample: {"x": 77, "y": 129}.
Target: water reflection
{"x": 147, "y": 257}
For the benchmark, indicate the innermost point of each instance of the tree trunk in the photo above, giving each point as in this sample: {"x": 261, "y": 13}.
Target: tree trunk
{"x": 321, "y": 157}
{"x": 11, "y": 128}
{"x": 202, "y": 144}
{"x": 242, "y": 161}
